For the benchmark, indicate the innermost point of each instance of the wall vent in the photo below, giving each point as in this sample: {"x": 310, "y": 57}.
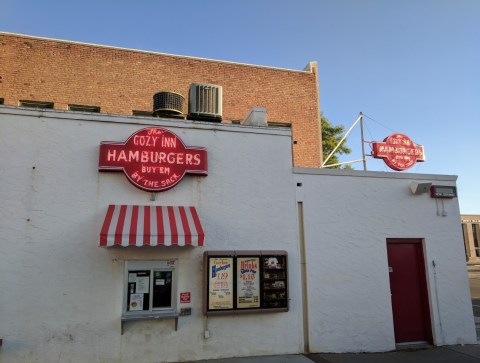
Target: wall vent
{"x": 205, "y": 102}
{"x": 168, "y": 104}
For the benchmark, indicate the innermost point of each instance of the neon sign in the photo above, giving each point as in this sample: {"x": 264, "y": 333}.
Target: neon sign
{"x": 398, "y": 151}
{"x": 153, "y": 159}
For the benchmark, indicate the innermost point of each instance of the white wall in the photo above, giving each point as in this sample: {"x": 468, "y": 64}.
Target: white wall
{"x": 61, "y": 294}
{"x": 348, "y": 216}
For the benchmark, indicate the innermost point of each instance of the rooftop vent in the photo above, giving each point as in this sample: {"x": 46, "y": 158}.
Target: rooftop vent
{"x": 168, "y": 104}
{"x": 256, "y": 117}
{"x": 205, "y": 102}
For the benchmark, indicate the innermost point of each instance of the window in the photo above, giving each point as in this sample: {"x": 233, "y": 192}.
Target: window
{"x": 142, "y": 113}
{"x": 35, "y": 104}
{"x": 476, "y": 234}
{"x": 83, "y": 108}
{"x": 1, "y": 101}
{"x": 279, "y": 124}
{"x": 465, "y": 236}
{"x": 250, "y": 281}
{"x": 150, "y": 288}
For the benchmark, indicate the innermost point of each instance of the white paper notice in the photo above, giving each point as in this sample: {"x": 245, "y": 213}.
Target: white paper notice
{"x": 136, "y": 302}
{"x": 132, "y": 277}
{"x": 142, "y": 284}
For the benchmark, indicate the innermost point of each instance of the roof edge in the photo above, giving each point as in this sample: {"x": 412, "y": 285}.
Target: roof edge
{"x": 143, "y": 121}
{"x": 374, "y": 174}
{"x": 305, "y": 70}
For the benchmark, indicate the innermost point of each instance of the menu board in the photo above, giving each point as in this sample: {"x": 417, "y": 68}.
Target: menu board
{"x": 240, "y": 282}
{"x": 248, "y": 282}
{"x": 220, "y": 283}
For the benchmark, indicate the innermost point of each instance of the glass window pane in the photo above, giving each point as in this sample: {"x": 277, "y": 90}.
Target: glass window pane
{"x": 162, "y": 289}
{"x": 138, "y": 298}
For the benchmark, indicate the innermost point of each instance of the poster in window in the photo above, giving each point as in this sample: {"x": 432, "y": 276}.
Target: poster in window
{"x": 220, "y": 283}
{"x": 143, "y": 284}
{"x": 136, "y": 302}
{"x": 248, "y": 282}
{"x": 132, "y": 277}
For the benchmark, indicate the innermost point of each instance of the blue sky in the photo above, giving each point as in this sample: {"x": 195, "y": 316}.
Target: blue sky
{"x": 411, "y": 66}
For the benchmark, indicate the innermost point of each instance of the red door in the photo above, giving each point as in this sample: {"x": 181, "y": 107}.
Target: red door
{"x": 408, "y": 286}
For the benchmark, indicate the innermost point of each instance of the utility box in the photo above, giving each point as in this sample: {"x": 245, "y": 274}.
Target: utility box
{"x": 205, "y": 102}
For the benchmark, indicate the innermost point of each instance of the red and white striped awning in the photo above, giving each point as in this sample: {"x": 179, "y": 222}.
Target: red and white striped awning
{"x": 134, "y": 225}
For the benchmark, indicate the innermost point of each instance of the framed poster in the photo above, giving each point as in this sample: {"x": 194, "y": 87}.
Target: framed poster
{"x": 248, "y": 282}
{"x": 220, "y": 283}
{"x": 245, "y": 282}
{"x": 274, "y": 282}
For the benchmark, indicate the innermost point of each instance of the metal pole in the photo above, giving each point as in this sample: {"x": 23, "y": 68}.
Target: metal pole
{"x": 363, "y": 143}
{"x": 345, "y": 162}
{"x": 343, "y": 138}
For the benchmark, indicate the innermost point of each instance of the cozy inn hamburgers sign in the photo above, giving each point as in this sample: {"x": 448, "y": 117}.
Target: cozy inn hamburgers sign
{"x": 398, "y": 151}
{"x": 153, "y": 159}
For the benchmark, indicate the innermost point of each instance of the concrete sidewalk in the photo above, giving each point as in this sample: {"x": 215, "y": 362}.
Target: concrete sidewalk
{"x": 445, "y": 354}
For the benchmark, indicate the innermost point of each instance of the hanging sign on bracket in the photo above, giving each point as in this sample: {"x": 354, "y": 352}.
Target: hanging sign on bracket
{"x": 398, "y": 151}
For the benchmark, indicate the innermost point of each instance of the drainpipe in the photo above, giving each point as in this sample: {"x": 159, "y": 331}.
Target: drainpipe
{"x": 303, "y": 267}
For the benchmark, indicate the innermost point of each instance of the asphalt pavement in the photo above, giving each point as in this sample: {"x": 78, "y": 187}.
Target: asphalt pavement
{"x": 445, "y": 354}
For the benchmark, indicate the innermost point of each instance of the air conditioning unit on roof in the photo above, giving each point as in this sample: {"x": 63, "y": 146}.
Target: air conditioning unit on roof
{"x": 168, "y": 104}
{"x": 205, "y": 102}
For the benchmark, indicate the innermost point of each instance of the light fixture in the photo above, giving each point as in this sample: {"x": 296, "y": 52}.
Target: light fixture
{"x": 419, "y": 188}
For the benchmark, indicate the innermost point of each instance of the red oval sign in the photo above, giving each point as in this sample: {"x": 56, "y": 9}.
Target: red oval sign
{"x": 398, "y": 151}
{"x": 153, "y": 159}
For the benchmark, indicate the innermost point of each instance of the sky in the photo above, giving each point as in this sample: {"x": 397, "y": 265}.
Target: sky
{"x": 410, "y": 66}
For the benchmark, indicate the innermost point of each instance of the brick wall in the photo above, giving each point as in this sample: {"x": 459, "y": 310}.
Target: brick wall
{"x": 122, "y": 80}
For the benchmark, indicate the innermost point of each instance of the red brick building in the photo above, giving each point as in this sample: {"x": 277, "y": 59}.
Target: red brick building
{"x": 123, "y": 81}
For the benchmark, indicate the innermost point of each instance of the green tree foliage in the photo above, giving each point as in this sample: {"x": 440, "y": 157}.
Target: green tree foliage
{"x": 331, "y": 136}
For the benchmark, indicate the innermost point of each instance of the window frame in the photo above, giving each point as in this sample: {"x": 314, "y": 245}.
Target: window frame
{"x": 152, "y": 266}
